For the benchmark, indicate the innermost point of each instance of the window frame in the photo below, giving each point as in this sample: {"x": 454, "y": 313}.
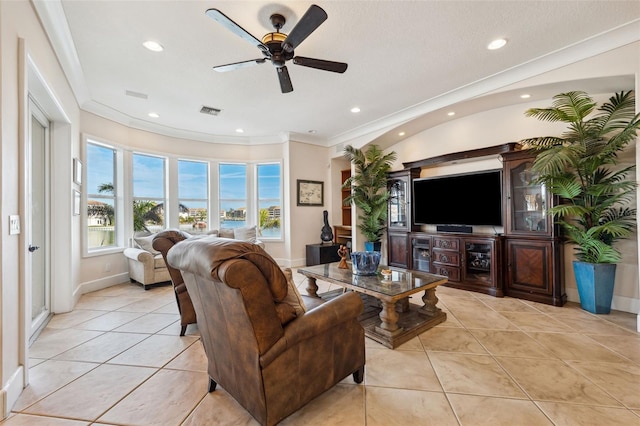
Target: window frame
{"x": 165, "y": 195}
{"x": 280, "y": 200}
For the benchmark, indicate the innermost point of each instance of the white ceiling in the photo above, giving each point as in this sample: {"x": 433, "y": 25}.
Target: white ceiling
{"x": 401, "y": 54}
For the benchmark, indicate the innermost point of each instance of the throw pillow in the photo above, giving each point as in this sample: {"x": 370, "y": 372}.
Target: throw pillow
{"x": 225, "y": 233}
{"x": 246, "y": 234}
{"x": 293, "y": 295}
{"x": 146, "y": 243}
{"x": 213, "y": 232}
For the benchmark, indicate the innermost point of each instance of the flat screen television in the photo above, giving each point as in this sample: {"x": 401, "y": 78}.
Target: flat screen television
{"x": 468, "y": 199}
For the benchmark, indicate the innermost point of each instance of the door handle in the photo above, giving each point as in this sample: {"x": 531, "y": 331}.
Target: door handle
{"x": 33, "y": 248}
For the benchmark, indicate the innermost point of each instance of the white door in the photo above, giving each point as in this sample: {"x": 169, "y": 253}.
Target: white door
{"x": 37, "y": 235}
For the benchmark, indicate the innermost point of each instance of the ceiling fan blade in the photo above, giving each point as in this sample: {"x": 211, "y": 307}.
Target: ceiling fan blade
{"x": 311, "y": 20}
{"x": 228, "y": 23}
{"x": 285, "y": 80}
{"x": 320, "y": 64}
{"x": 239, "y": 65}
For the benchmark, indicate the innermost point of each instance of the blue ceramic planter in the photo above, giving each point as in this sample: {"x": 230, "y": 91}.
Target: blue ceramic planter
{"x": 370, "y": 246}
{"x": 595, "y": 285}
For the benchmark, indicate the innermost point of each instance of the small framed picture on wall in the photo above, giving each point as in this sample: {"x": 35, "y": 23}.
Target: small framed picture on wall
{"x": 77, "y": 171}
{"x": 310, "y": 193}
{"x": 76, "y": 203}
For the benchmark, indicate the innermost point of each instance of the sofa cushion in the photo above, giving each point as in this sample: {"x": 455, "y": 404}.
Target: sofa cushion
{"x": 146, "y": 243}
{"x": 293, "y": 297}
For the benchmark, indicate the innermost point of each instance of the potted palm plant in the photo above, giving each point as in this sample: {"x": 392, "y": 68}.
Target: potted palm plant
{"x": 580, "y": 167}
{"x": 369, "y": 190}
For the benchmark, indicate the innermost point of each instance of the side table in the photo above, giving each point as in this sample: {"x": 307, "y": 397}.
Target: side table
{"x": 322, "y": 253}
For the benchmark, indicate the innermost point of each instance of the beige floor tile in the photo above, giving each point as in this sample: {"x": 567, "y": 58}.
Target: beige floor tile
{"x": 569, "y": 308}
{"x": 146, "y": 305}
{"x": 109, "y": 321}
{"x": 73, "y": 318}
{"x": 622, "y": 381}
{"x": 29, "y": 420}
{"x": 104, "y": 303}
{"x": 175, "y": 327}
{"x": 412, "y": 345}
{"x": 49, "y": 376}
{"x": 626, "y": 320}
{"x": 554, "y": 380}
{"x": 536, "y": 322}
{"x": 193, "y": 359}
{"x": 511, "y": 343}
{"x": 35, "y": 361}
{"x": 486, "y": 411}
{"x": 169, "y": 308}
{"x": 155, "y": 351}
{"x": 443, "y": 289}
{"x": 455, "y": 303}
{"x": 473, "y": 374}
{"x": 576, "y": 347}
{"x": 629, "y": 347}
{"x": 451, "y": 321}
{"x": 166, "y": 398}
{"x": 593, "y": 325}
{"x": 583, "y": 415}
{"x": 340, "y": 405}
{"x": 387, "y": 407}
{"x": 149, "y": 323}
{"x": 508, "y": 304}
{"x": 103, "y": 348}
{"x": 91, "y": 395}
{"x": 219, "y": 408}
{"x": 487, "y": 320}
{"x": 400, "y": 369}
{"x": 54, "y": 342}
{"x": 123, "y": 290}
{"x": 451, "y": 340}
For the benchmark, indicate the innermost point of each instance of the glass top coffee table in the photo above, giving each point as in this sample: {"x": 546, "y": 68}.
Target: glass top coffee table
{"x": 389, "y": 318}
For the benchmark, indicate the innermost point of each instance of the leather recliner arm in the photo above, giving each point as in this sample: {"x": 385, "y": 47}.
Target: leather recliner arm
{"x": 343, "y": 308}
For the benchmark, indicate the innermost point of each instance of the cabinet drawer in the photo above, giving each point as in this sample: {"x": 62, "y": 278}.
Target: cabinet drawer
{"x": 446, "y": 243}
{"x": 453, "y": 274}
{"x": 447, "y": 257}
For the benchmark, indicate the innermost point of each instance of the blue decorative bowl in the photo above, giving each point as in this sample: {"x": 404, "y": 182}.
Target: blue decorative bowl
{"x": 365, "y": 262}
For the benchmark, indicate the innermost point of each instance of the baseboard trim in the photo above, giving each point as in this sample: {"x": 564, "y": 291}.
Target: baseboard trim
{"x": 11, "y": 391}
{"x": 99, "y": 284}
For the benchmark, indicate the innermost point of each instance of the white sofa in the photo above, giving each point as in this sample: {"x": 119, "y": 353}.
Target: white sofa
{"x": 147, "y": 267}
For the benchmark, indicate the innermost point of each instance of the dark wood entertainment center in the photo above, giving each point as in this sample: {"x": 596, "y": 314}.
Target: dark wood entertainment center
{"x": 526, "y": 261}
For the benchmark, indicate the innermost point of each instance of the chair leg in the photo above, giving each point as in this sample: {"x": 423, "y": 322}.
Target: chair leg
{"x": 183, "y": 330}
{"x": 212, "y": 385}
{"x": 358, "y": 375}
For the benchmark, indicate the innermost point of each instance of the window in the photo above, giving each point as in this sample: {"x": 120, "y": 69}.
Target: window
{"x": 149, "y": 195}
{"x": 193, "y": 200}
{"x": 101, "y": 196}
{"x": 269, "y": 192}
{"x": 233, "y": 195}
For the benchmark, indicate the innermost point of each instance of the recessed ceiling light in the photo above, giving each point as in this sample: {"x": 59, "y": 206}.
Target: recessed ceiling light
{"x": 154, "y": 46}
{"x": 239, "y": 130}
{"x": 451, "y": 113}
{"x": 154, "y": 115}
{"x": 525, "y": 96}
{"x": 401, "y": 134}
{"x": 355, "y": 109}
{"x": 497, "y": 44}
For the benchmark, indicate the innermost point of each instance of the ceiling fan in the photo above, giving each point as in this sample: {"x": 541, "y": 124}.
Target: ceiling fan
{"x": 278, "y": 47}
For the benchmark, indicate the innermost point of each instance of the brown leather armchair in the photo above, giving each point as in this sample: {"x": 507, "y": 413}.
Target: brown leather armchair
{"x": 162, "y": 242}
{"x": 269, "y": 360}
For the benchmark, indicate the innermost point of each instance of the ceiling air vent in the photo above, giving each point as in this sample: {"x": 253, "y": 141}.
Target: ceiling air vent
{"x": 136, "y": 94}
{"x": 210, "y": 111}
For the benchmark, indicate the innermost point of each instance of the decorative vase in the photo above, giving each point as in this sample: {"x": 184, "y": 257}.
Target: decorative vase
{"x": 365, "y": 262}
{"x": 373, "y": 246}
{"x": 327, "y": 234}
{"x": 595, "y": 285}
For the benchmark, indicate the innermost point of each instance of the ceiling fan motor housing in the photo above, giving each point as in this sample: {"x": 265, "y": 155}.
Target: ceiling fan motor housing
{"x": 273, "y": 41}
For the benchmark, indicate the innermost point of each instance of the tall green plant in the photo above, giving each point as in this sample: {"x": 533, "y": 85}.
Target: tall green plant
{"x": 579, "y": 167}
{"x": 369, "y": 188}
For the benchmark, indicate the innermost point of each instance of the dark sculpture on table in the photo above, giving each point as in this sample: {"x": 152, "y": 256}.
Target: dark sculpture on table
{"x": 327, "y": 234}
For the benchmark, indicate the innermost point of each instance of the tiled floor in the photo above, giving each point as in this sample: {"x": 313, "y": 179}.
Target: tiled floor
{"x": 118, "y": 359}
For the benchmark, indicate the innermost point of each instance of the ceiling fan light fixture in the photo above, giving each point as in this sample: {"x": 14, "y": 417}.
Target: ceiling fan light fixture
{"x": 153, "y": 46}
{"x": 274, "y": 38}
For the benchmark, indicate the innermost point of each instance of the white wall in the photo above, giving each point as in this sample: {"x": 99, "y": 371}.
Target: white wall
{"x": 21, "y": 40}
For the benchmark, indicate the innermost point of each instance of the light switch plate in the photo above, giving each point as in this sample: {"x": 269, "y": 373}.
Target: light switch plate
{"x": 14, "y": 224}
